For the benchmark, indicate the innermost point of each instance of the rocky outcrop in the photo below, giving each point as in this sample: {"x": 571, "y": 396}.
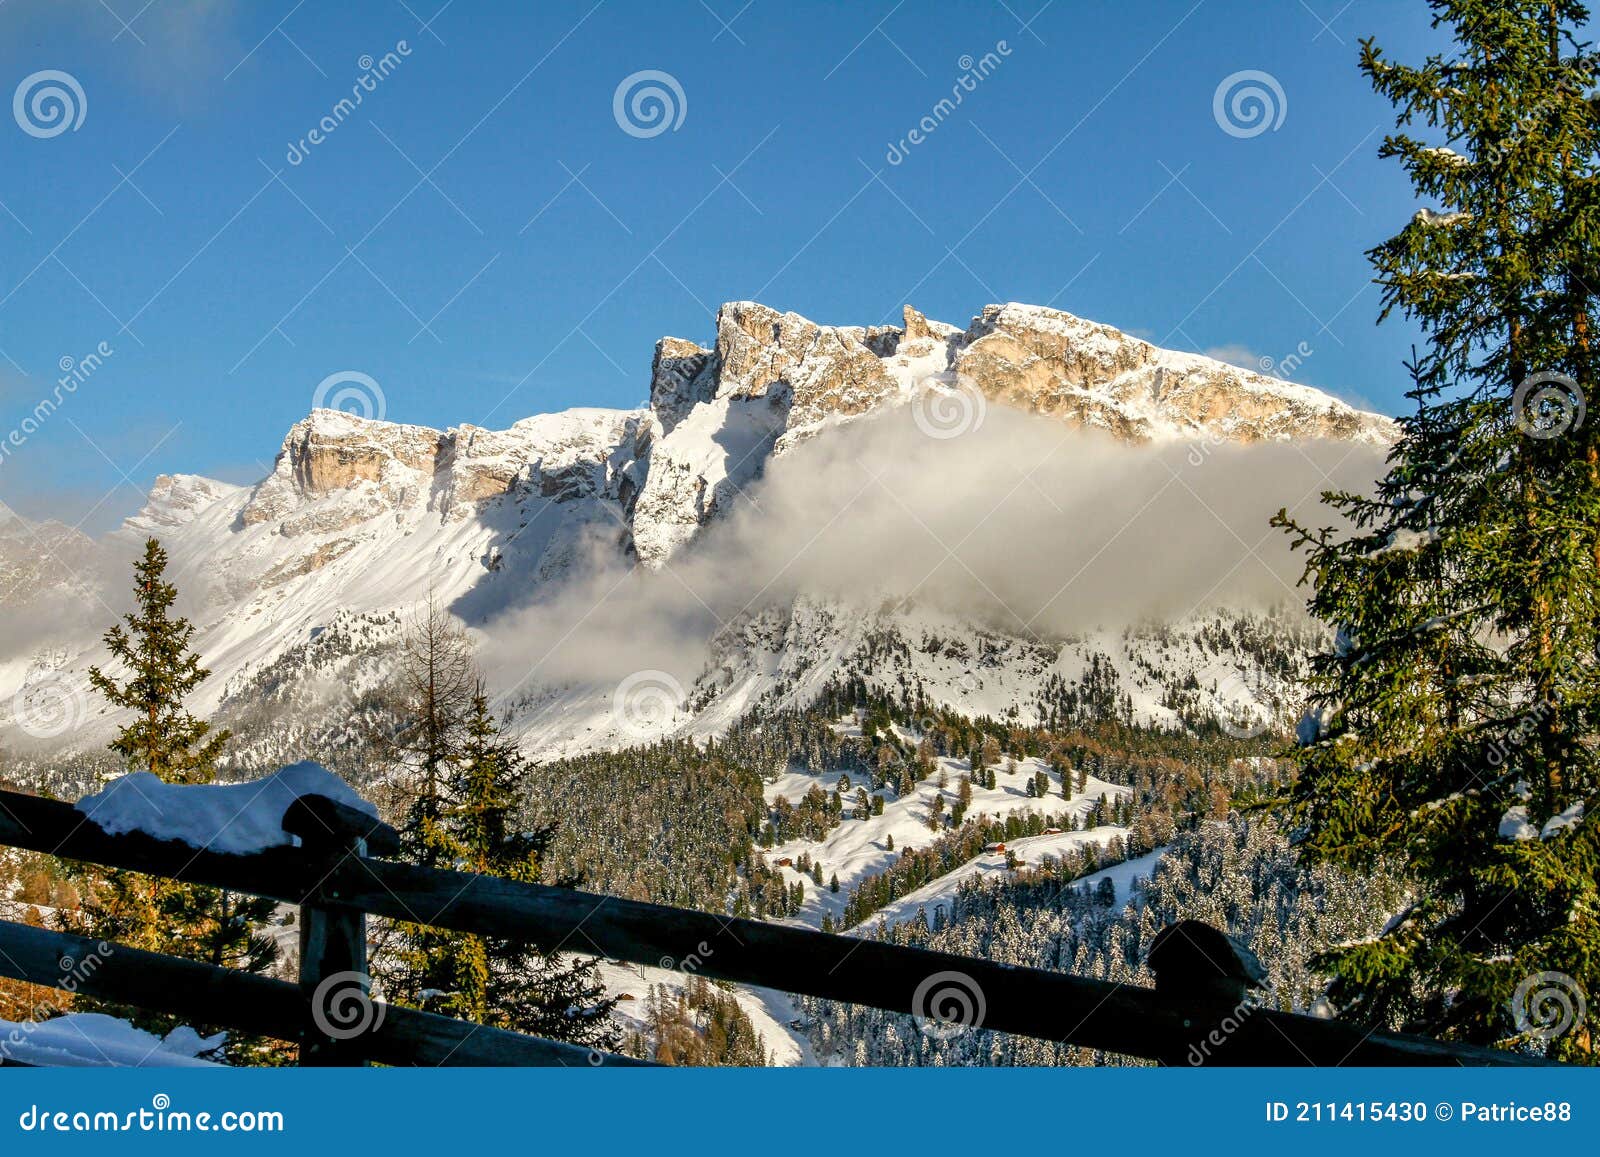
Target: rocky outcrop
{"x": 1044, "y": 361}
{"x": 174, "y": 499}
{"x": 381, "y": 464}
{"x": 773, "y": 379}
{"x": 337, "y": 469}
{"x": 819, "y": 370}
{"x": 682, "y": 375}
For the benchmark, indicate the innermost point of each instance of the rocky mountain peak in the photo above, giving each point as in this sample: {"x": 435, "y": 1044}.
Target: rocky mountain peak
{"x": 773, "y": 379}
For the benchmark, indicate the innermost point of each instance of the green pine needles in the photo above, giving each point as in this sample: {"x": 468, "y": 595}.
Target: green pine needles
{"x": 162, "y": 738}
{"x": 1454, "y": 721}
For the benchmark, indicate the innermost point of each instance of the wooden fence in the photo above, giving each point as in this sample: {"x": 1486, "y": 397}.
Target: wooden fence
{"x": 1196, "y": 1013}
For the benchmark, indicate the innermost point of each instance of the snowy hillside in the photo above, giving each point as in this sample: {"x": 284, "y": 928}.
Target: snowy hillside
{"x": 299, "y": 585}
{"x": 865, "y": 846}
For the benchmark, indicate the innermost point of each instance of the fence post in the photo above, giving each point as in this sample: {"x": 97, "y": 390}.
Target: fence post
{"x": 1210, "y": 971}
{"x": 334, "y": 979}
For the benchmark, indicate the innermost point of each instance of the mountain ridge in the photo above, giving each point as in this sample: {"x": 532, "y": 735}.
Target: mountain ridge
{"x": 362, "y": 517}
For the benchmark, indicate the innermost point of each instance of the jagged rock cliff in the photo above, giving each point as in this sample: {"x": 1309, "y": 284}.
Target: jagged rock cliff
{"x": 362, "y": 518}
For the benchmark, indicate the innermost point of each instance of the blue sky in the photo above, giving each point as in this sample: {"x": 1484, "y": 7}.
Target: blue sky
{"x": 484, "y": 240}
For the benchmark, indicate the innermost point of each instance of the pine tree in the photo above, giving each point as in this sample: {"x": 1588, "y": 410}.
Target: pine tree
{"x": 165, "y": 740}
{"x": 505, "y": 983}
{"x": 1453, "y": 721}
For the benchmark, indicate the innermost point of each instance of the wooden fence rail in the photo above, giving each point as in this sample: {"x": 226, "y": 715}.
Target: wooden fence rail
{"x": 204, "y": 994}
{"x": 1196, "y": 1014}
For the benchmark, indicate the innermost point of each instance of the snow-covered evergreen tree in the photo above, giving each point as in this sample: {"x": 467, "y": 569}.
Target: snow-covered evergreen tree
{"x": 1454, "y": 720}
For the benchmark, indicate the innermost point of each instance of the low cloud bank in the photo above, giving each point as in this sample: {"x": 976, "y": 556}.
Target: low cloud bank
{"x": 1021, "y": 523}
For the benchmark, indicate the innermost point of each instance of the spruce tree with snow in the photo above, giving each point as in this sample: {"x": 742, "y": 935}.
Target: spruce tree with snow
{"x": 163, "y": 738}
{"x": 1453, "y": 721}
{"x": 506, "y": 983}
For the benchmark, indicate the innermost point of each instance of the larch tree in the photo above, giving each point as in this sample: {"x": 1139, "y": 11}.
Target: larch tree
{"x": 463, "y": 785}
{"x": 434, "y": 684}
{"x": 1453, "y": 720}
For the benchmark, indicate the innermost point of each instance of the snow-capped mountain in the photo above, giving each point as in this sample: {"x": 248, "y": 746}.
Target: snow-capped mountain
{"x": 306, "y": 576}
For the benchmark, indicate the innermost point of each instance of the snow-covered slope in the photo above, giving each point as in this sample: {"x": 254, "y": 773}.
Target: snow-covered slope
{"x": 307, "y": 577}
{"x": 860, "y": 847}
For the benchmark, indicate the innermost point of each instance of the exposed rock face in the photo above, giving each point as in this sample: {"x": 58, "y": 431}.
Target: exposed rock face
{"x": 680, "y": 377}
{"x": 336, "y": 469}
{"x": 1048, "y": 362}
{"x": 364, "y": 518}
{"x": 175, "y": 499}
{"x": 771, "y": 379}
{"x": 823, "y": 370}
{"x": 774, "y": 378}
{"x": 385, "y": 464}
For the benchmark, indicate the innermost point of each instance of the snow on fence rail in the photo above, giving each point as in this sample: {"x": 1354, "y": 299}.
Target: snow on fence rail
{"x": 1197, "y": 1013}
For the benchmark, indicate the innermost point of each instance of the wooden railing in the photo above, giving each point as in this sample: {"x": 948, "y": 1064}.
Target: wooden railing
{"x": 1196, "y": 1014}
